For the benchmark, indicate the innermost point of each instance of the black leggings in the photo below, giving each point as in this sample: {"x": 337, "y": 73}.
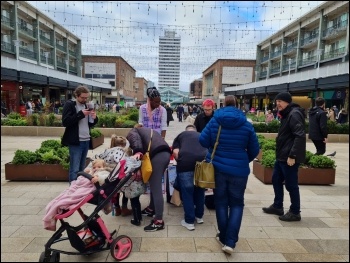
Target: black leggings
{"x": 124, "y": 201}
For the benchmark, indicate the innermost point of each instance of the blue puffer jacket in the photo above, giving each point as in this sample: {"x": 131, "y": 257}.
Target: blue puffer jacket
{"x": 238, "y": 144}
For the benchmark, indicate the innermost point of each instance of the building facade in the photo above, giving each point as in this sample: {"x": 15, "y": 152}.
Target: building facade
{"x": 169, "y": 60}
{"x": 308, "y": 58}
{"x": 39, "y": 58}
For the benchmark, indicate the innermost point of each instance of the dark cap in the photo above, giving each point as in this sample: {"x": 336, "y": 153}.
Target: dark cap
{"x": 285, "y": 96}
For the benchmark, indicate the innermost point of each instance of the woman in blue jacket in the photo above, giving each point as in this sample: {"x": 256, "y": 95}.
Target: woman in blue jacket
{"x": 238, "y": 146}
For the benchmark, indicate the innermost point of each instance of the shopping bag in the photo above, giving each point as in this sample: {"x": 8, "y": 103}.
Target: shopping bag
{"x": 146, "y": 167}
{"x": 175, "y": 198}
{"x": 204, "y": 176}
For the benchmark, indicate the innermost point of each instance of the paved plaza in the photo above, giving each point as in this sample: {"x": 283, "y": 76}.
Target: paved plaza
{"x": 321, "y": 235}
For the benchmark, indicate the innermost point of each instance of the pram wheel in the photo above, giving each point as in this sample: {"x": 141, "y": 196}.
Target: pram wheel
{"x": 121, "y": 247}
{"x": 54, "y": 257}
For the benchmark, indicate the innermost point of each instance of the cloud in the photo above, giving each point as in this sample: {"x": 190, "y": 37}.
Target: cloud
{"x": 209, "y": 30}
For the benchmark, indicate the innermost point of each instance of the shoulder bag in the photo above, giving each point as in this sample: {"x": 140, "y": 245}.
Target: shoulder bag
{"x": 146, "y": 165}
{"x": 204, "y": 174}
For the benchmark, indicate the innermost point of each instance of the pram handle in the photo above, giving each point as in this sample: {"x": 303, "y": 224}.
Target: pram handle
{"x": 86, "y": 175}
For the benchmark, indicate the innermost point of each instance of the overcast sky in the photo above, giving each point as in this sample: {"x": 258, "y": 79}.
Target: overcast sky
{"x": 209, "y": 30}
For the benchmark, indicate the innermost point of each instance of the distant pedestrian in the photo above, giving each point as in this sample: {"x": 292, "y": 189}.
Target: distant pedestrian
{"x": 169, "y": 112}
{"x": 180, "y": 112}
{"x": 318, "y": 131}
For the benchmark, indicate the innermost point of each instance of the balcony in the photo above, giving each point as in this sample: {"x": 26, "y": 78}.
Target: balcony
{"x": 290, "y": 49}
{"x": 264, "y": 59}
{"x": 72, "y": 53}
{"x": 7, "y": 47}
{"x": 335, "y": 31}
{"x": 26, "y": 53}
{"x": 308, "y": 61}
{"x": 25, "y": 31}
{"x": 61, "y": 48}
{"x": 309, "y": 41}
{"x": 61, "y": 63}
{"x": 275, "y": 54}
{"x": 6, "y": 22}
{"x": 334, "y": 53}
{"x": 46, "y": 40}
{"x": 275, "y": 70}
{"x": 43, "y": 60}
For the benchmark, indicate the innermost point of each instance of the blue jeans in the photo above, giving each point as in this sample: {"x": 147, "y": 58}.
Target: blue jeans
{"x": 282, "y": 172}
{"x": 77, "y": 159}
{"x": 229, "y": 203}
{"x": 192, "y": 196}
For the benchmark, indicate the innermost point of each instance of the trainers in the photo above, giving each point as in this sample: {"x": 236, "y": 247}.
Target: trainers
{"x": 218, "y": 239}
{"x": 199, "y": 220}
{"x": 154, "y": 226}
{"x": 227, "y": 249}
{"x": 289, "y": 216}
{"x": 147, "y": 212}
{"x": 272, "y": 210}
{"x": 187, "y": 225}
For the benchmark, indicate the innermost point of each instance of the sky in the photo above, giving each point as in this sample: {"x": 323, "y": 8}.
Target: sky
{"x": 209, "y": 30}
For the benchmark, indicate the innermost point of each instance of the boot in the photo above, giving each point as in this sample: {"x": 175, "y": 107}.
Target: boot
{"x": 125, "y": 211}
{"x": 136, "y": 220}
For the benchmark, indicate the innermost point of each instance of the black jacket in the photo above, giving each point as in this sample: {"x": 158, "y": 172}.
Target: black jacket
{"x": 291, "y": 138}
{"x": 317, "y": 124}
{"x": 70, "y": 120}
{"x": 139, "y": 139}
{"x": 201, "y": 121}
{"x": 190, "y": 150}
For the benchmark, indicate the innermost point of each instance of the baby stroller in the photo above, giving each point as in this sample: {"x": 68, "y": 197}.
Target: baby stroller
{"x": 92, "y": 235}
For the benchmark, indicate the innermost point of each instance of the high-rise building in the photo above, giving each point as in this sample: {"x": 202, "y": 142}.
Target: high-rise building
{"x": 169, "y": 60}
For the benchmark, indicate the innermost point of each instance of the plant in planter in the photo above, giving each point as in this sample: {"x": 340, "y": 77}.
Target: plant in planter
{"x": 49, "y": 162}
{"x": 97, "y": 138}
{"x": 317, "y": 169}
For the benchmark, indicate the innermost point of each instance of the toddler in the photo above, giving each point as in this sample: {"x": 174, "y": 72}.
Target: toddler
{"x": 98, "y": 171}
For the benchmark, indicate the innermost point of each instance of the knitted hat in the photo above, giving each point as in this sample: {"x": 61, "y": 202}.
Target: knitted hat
{"x": 285, "y": 96}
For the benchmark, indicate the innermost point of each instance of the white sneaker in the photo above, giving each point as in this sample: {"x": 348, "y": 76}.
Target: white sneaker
{"x": 227, "y": 249}
{"x": 199, "y": 220}
{"x": 188, "y": 226}
{"x": 218, "y": 239}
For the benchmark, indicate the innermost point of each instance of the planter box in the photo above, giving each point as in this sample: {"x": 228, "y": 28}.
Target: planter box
{"x": 35, "y": 172}
{"x": 313, "y": 176}
{"x": 95, "y": 142}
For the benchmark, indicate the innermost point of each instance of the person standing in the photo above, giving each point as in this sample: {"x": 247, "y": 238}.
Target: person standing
{"x": 204, "y": 117}
{"x": 139, "y": 139}
{"x": 29, "y": 107}
{"x": 269, "y": 117}
{"x": 290, "y": 153}
{"x": 238, "y": 146}
{"x": 169, "y": 113}
{"x": 180, "y": 112}
{"x": 152, "y": 114}
{"x": 78, "y": 120}
{"x": 318, "y": 131}
{"x": 187, "y": 151}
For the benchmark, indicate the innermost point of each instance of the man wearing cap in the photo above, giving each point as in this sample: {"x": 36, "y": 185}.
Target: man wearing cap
{"x": 203, "y": 118}
{"x": 290, "y": 152}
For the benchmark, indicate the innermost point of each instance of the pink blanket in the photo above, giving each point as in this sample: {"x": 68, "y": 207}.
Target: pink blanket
{"x": 68, "y": 199}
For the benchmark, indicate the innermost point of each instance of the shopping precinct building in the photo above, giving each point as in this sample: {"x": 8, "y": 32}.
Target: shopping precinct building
{"x": 39, "y": 58}
{"x": 308, "y": 58}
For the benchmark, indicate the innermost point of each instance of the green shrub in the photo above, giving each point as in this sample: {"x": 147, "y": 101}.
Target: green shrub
{"x": 51, "y": 119}
{"x": 133, "y": 116}
{"x": 128, "y": 124}
{"x": 269, "y": 144}
{"x": 260, "y": 127}
{"x": 261, "y": 140}
{"x": 51, "y": 143}
{"x": 321, "y": 161}
{"x": 95, "y": 132}
{"x": 268, "y": 158}
{"x": 15, "y": 122}
{"x": 24, "y": 157}
{"x": 35, "y": 119}
{"x": 14, "y": 115}
{"x": 273, "y": 126}
{"x": 308, "y": 156}
{"x": 50, "y": 157}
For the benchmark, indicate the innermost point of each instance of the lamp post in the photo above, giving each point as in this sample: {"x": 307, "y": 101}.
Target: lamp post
{"x": 67, "y": 64}
{"x": 289, "y": 63}
{"x": 256, "y": 75}
{"x": 47, "y": 58}
{"x": 81, "y": 71}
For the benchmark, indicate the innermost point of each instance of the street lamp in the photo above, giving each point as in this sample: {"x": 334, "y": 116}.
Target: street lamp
{"x": 289, "y": 63}
{"x": 319, "y": 53}
{"x": 67, "y": 64}
{"x": 47, "y": 58}
{"x": 16, "y": 43}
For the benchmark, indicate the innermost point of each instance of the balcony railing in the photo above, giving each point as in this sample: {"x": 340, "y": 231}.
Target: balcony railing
{"x": 286, "y": 66}
{"x": 309, "y": 60}
{"x": 6, "y": 21}
{"x": 60, "y": 47}
{"x": 275, "y": 70}
{"x": 276, "y": 54}
{"x": 265, "y": 58}
{"x": 43, "y": 60}
{"x": 309, "y": 40}
{"x": 26, "y": 53}
{"x": 61, "y": 63}
{"x": 72, "y": 53}
{"x": 25, "y": 30}
{"x": 334, "y": 53}
{"x": 290, "y": 48}
{"x": 7, "y": 47}
{"x": 46, "y": 40}
{"x": 335, "y": 28}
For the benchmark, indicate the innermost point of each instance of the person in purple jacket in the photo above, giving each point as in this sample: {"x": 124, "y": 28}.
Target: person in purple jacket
{"x": 238, "y": 146}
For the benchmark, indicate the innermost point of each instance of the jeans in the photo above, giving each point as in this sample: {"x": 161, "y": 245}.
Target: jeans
{"x": 282, "y": 172}
{"x": 77, "y": 159}
{"x": 192, "y": 196}
{"x": 229, "y": 204}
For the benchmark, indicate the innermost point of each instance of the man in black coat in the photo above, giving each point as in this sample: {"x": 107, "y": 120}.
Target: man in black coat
{"x": 318, "y": 131}
{"x": 290, "y": 153}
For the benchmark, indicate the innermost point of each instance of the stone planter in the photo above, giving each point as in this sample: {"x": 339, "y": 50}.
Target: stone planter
{"x": 35, "y": 172}
{"x": 95, "y": 142}
{"x": 311, "y": 176}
